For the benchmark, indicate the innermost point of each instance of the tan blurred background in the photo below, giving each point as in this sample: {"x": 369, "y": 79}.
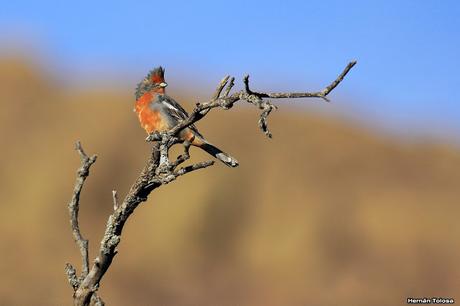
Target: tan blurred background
{"x": 337, "y": 216}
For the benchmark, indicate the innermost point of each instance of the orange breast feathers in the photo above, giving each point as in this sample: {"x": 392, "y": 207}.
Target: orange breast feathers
{"x": 150, "y": 120}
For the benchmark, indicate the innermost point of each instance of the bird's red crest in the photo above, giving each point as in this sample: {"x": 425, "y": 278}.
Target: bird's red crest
{"x": 157, "y": 75}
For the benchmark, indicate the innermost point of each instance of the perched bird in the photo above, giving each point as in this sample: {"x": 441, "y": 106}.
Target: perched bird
{"x": 159, "y": 112}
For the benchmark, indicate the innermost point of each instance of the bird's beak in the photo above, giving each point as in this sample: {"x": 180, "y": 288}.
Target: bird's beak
{"x": 163, "y": 84}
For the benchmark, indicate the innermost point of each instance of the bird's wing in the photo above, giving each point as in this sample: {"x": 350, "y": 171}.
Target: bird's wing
{"x": 177, "y": 111}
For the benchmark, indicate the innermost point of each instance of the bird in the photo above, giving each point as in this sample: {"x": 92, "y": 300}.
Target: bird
{"x": 158, "y": 112}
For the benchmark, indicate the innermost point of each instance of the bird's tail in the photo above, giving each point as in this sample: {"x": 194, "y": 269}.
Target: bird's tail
{"x": 219, "y": 154}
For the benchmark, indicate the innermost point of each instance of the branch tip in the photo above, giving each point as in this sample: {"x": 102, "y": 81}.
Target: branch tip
{"x": 72, "y": 276}
{"x": 246, "y": 84}
{"x": 229, "y": 87}
{"x": 115, "y": 199}
{"x": 220, "y": 87}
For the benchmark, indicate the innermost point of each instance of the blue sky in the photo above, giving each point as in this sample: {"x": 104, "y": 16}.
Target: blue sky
{"x": 407, "y": 51}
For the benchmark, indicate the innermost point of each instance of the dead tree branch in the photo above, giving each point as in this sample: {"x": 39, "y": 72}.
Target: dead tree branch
{"x": 149, "y": 179}
{"x": 74, "y": 206}
{"x": 226, "y": 101}
{"x": 82, "y": 174}
{"x": 158, "y": 171}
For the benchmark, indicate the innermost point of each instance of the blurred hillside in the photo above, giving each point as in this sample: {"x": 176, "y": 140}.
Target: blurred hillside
{"x": 326, "y": 213}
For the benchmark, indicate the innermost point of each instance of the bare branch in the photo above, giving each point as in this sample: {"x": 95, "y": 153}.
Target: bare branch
{"x": 172, "y": 176}
{"x": 220, "y": 87}
{"x": 74, "y": 205}
{"x": 246, "y": 84}
{"x": 229, "y": 87}
{"x": 194, "y": 167}
{"x": 339, "y": 79}
{"x": 138, "y": 193}
{"x": 155, "y": 136}
{"x": 267, "y": 109}
{"x": 319, "y": 94}
{"x": 72, "y": 276}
